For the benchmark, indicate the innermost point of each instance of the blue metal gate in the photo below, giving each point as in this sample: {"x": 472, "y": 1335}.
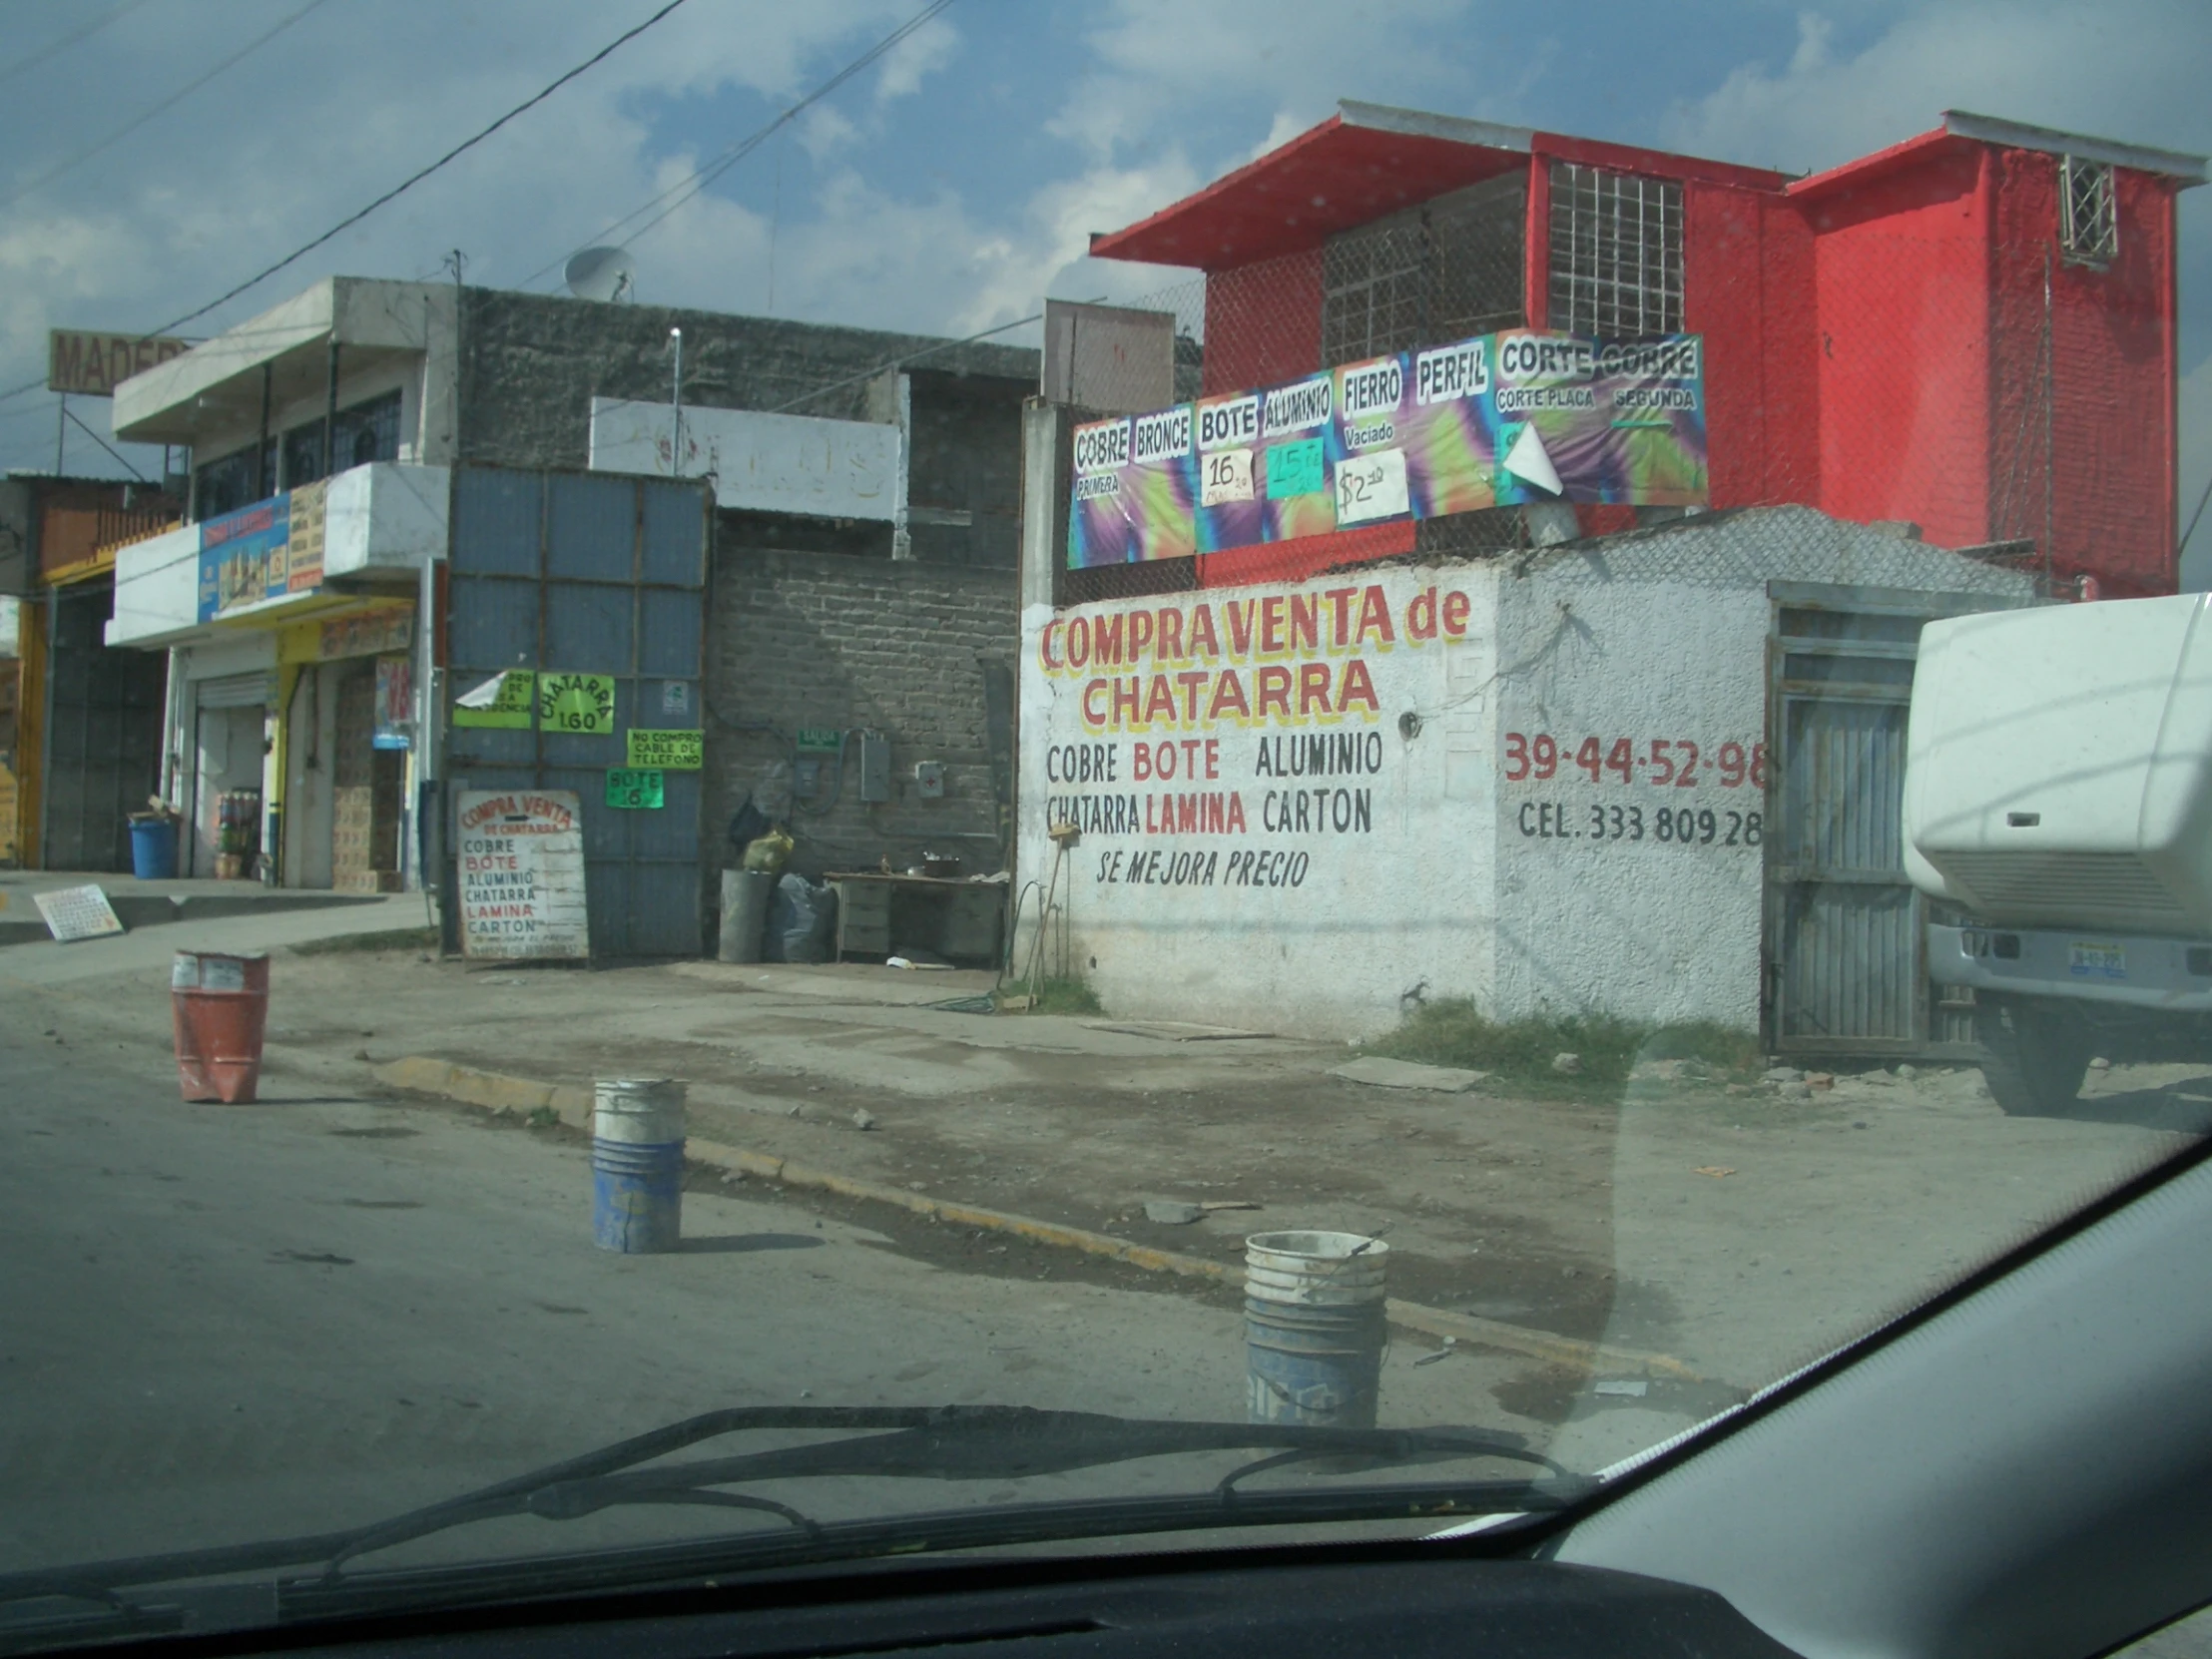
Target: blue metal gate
{"x": 589, "y": 573}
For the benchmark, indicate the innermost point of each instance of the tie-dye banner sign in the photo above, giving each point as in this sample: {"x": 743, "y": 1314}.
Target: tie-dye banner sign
{"x": 1499, "y": 420}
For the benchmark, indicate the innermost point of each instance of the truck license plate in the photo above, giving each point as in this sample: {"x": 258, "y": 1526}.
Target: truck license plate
{"x": 2096, "y": 959}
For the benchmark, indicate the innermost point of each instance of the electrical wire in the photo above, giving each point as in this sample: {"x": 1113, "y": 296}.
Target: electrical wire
{"x": 151, "y": 110}
{"x": 103, "y": 444}
{"x": 399, "y": 189}
{"x": 55, "y": 47}
{"x": 711, "y": 170}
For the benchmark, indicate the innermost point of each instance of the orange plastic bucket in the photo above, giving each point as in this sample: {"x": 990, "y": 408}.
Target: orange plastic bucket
{"x": 220, "y": 1006}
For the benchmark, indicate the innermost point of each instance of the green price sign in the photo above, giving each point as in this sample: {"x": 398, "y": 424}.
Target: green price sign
{"x": 583, "y": 704}
{"x": 669, "y": 751}
{"x": 1295, "y": 468}
{"x": 633, "y": 789}
{"x": 504, "y": 704}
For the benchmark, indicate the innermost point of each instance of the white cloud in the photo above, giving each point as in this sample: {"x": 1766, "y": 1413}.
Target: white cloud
{"x": 2126, "y": 69}
{"x": 914, "y": 59}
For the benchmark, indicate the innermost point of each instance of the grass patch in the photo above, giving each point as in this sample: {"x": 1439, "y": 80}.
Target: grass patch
{"x": 1056, "y": 996}
{"x": 390, "y": 938}
{"x": 1454, "y": 1032}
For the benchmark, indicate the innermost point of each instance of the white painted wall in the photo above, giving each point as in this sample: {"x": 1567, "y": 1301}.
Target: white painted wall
{"x": 156, "y": 588}
{"x": 1270, "y": 924}
{"x": 382, "y": 519}
{"x": 1470, "y": 881}
{"x": 386, "y": 518}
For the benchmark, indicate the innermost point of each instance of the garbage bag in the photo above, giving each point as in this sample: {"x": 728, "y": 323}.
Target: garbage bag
{"x": 802, "y": 922}
{"x": 769, "y": 854}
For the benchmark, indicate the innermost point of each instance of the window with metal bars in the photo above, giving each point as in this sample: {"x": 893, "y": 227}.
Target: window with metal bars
{"x": 1616, "y": 252}
{"x": 1442, "y": 272}
{"x": 2089, "y": 222}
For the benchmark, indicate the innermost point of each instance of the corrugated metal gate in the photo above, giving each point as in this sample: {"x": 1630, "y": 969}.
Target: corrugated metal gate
{"x": 588, "y": 573}
{"x": 102, "y": 738}
{"x": 1846, "y": 934}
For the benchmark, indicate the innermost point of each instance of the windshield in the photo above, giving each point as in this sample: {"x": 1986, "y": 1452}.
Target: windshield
{"x": 781, "y": 786}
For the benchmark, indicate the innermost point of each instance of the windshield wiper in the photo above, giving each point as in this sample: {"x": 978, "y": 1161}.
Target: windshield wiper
{"x": 950, "y": 1442}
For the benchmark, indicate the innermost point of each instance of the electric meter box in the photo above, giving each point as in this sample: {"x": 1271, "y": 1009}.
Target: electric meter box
{"x": 876, "y": 766}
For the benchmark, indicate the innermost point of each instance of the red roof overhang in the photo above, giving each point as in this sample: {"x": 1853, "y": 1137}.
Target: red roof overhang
{"x": 1364, "y": 163}
{"x": 1347, "y": 171}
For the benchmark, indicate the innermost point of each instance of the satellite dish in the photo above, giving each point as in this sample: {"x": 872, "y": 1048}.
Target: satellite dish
{"x": 600, "y": 274}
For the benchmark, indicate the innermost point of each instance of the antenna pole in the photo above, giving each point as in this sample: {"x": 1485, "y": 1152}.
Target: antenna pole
{"x": 61, "y": 431}
{"x": 676, "y": 453}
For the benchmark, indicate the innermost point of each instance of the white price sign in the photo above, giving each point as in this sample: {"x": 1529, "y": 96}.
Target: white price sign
{"x": 1228, "y": 477}
{"x": 1370, "y": 486}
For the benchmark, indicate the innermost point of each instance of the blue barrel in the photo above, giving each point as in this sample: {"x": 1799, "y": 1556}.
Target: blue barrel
{"x": 637, "y": 1165}
{"x": 1316, "y": 1327}
{"x": 153, "y": 848}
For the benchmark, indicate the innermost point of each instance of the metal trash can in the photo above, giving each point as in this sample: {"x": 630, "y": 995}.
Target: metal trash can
{"x": 219, "y": 1006}
{"x": 637, "y": 1165}
{"x": 745, "y": 897}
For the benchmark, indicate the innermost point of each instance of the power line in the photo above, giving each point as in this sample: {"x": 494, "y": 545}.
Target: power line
{"x": 399, "y": 189}
{"x": 55, "y": 47}
{"x": 736, "y": 153}
{"x": 415, "y": 178}
{"x": 148, "y": 114}
{"x": 103, "y": 444}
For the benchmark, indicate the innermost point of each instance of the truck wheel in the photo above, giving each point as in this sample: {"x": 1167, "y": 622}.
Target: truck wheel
{"x": 2038, "y": 1055}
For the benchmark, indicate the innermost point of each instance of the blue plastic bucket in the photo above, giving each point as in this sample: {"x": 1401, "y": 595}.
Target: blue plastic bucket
{"x": 153, "y": 848}
{"x": 637, "y": 1166}
{"x": 1316, "y": 1327}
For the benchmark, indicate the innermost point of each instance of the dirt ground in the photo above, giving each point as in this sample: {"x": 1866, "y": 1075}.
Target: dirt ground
{"x": 1738, "y": 1231}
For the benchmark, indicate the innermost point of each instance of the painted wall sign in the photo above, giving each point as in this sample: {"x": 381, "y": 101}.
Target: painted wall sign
{"x": 1500, "y": 419}
{"x": 370, "y": 634}
{"x": 582, "y": 704}
{"x": 88, "y": 364}
{"x": 667, "y": 751}
{"x": 521, "y": 887}
{"x": 635, "y": 788}
{"x": 506, "y": 702}
{"x": 759, "y": 463}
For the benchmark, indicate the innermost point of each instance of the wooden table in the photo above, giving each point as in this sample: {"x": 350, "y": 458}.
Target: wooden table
{"x": 956, "y": 920}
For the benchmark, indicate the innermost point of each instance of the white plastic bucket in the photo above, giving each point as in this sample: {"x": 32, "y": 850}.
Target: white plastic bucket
{"x": 1315, "y": 1270}
{"x": 639, "y": 1111}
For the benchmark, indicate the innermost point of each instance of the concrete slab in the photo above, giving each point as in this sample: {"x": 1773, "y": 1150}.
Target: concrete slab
{"x": 1172, "y": 1030}
{"x": 154, "y": 903}
{"x": 1406, "y": 1074}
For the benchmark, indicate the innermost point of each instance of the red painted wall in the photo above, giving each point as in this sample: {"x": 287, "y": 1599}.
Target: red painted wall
{"x": 1902, "y": 326}
{"x": 1876, "y": 349}
{"x": 2106, "y": 380}
{"x": 1262, "y": 322}
{"x": 1748, "y": 289}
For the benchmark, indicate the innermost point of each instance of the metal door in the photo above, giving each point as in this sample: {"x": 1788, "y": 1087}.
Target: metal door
{"x": 102, "y": 733}
{"x": 589, "y": 573}
{"x": 1846, "y": 951}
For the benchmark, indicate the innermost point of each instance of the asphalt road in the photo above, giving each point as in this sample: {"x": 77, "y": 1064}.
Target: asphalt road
{"x": 222, "y": 1324}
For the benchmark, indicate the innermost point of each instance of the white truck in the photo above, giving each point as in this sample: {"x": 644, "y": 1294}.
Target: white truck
{"x": 2059, "y": 807}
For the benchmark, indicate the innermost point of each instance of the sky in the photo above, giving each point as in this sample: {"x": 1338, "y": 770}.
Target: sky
{"x": 158, "y": 152}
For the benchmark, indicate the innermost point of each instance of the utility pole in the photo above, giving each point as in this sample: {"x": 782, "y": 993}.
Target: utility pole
{"x": 675, "y": 451}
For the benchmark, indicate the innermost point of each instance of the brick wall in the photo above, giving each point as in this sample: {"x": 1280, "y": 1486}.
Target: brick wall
{"x": 815, "y": 626}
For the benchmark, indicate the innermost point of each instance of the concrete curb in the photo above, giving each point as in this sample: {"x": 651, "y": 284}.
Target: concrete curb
{"x": 494, "y": 1091}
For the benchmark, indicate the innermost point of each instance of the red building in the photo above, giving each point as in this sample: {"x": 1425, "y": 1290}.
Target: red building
{"x": 1973, "y": 331}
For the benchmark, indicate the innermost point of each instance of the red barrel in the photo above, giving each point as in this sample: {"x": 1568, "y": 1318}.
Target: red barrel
{"x": 221, "y": 1005}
